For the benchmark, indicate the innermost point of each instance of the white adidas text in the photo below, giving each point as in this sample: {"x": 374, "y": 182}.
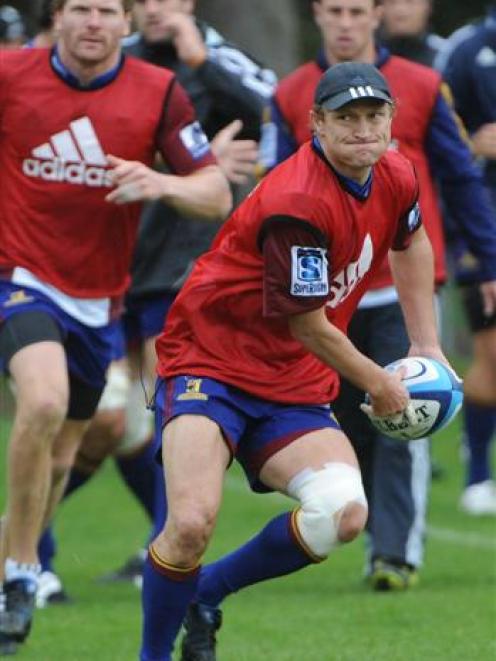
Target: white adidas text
{"x": 72, "y": 173}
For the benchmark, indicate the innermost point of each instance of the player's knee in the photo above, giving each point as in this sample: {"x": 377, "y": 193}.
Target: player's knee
{"x": 138, "y": 423}
{"x": 106, "y": 432}
{"x": 190, "y": 532}
{"x": 333, "y": 507}
{"x": 116, "y": 392}
{"x": 352, "y": 521}
{"x": 43, "y": 413}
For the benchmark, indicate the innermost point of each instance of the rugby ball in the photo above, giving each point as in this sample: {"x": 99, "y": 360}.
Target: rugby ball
{"x": 436, "y": 395}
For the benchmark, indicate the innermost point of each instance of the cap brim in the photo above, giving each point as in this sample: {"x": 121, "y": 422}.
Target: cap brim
{"x": 340, "y": 100}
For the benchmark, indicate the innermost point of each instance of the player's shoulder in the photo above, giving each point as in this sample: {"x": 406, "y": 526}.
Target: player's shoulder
{"x": 294, "y": 80}
{"x": 23, "y": 58}
{"x": 408, "y": 70}
{"x": 397, "y": 171}
{"x": 145, "y": 71}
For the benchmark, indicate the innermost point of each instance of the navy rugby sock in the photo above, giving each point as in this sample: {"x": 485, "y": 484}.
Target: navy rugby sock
{"x": 273, "y": 552}
{"x": 47, "y": 547}
{"x": 139, "y": 471}
{"x": 480, "y": 425}
{"x": 166, "y": 594}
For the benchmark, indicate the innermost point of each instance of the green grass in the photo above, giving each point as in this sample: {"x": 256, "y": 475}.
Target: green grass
{"x": 324, "y": 613}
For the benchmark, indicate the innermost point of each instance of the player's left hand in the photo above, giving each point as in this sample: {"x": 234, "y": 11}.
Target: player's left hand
{"x": 187, "y": 38}
{"x": 134, "y": 182}
{"x": 236, "y": 158}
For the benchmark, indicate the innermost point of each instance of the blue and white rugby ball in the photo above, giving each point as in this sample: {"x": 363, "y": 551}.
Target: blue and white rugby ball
{"x": 436, "y": 393}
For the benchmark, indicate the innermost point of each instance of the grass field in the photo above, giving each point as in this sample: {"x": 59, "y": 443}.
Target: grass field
{"x": 324, "y": 613}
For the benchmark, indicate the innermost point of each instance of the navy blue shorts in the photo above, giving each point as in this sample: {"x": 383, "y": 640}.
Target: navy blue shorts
{"x": 474, "y": 308}
{"x": 88, "y": 350}
{"x": 253, "y": 428}
{"x": 145, "y": 317}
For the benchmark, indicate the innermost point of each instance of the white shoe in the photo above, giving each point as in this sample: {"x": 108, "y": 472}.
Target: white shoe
{"x": 479, "y": 499}
{"x": 50, "y": 590}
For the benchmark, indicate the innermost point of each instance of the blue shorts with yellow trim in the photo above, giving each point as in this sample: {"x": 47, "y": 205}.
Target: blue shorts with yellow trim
{"x": 253, "y": 428}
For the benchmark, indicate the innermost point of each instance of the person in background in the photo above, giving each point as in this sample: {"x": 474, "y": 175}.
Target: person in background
{"x": 229, "y": 90}
{"x": 405, "y": 30}
{"x": 100, "y": 120}
{"x": 469, "y": 67}
{"x": 12, "y": 28}
{"x": 252, "y": 349}
{"x": 426, "y": 131}
{"x": 44, "y": 37}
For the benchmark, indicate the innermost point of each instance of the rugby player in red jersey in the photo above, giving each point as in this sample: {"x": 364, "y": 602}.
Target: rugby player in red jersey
{"x": 253, "y": 347}
{"x": 79, "y": 129}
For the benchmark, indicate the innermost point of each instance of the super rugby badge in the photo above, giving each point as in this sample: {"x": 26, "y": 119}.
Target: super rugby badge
{"x": 309, "y": 271}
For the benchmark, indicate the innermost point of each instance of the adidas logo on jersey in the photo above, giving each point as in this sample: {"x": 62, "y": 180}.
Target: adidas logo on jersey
{"x": 74, "y": 156}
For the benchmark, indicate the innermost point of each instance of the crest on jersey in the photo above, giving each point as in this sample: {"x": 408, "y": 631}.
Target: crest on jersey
{"x": 195, "y": 140}
{"x": 309, "y": 275}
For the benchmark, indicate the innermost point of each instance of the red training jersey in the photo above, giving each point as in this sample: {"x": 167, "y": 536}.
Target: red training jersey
{"x": 219, "y": 326}
{"x": 54, "y": 139}
{"x": 415, "y": 89}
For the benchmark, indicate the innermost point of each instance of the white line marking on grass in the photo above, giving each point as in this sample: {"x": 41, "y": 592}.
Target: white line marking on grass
{"x": 457, "y": 537}
{"x": 471, "y": 539}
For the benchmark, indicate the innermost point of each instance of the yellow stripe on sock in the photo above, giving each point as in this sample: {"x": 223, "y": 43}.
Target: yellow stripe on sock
{"x": 169, "y": 566}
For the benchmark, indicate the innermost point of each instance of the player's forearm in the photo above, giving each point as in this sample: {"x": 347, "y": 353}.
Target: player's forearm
{"x": 413, "y": 273}
{"x": 334, "y": 348}
{"x": 204, "y": 193}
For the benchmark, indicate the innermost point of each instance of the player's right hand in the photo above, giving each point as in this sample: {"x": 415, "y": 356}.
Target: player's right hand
{"x": 388, "y": 396}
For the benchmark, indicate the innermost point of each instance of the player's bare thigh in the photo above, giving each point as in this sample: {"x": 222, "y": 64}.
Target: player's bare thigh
{"x": 312, "y": 450}
{"x": 195, "y": 459}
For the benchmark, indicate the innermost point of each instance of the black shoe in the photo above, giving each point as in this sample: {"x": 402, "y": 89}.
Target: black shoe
{"x": 200, "y": 624}
{"x": 388, "y": 576}
{"x": 16, "y": 619}
{"x": 130, "y": 572}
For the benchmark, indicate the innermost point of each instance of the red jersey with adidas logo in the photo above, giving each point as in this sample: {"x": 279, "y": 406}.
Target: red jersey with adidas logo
{"x": 229, "y": 321}
{"x": 54, "y": 138}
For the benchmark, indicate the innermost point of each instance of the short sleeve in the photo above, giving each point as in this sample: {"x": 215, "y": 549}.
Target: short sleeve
{"x": 181, "y": 139}
{"x": 408, "y": 224}
{"x": 296, "y": 268}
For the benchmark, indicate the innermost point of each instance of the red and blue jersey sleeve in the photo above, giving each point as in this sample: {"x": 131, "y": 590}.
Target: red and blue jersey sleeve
{"x": 181, "y": 139}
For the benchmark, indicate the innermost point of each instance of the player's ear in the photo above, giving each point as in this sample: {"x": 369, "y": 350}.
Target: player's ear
{"x": 127, "y": 28}
{"x": 317, "y": 119}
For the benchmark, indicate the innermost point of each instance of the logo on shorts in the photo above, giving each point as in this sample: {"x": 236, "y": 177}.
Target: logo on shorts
{"x": 17, "y": 298}
{"x": 309, "y": 271}
{"x": 193, "y": 390}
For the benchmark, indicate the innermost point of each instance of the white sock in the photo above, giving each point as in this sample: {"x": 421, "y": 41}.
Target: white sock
{"x": 15, "y": 570}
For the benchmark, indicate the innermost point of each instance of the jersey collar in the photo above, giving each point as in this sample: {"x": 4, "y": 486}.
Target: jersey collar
{"x": 68, "y": 77}
{"x": 360, "y": 191}
{"x": 382, "y": 56}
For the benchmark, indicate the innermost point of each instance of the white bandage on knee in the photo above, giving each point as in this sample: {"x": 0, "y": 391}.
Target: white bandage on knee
{"x": 322, "y": 494}
{"x": 116, "y": 391}
{"x": 139, "y": 420}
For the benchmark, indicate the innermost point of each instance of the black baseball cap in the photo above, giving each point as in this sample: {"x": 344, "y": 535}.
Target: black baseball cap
{"x": 351, "y": 81}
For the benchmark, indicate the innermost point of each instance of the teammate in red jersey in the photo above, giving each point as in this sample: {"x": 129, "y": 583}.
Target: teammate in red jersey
{"x": 79, "y": 128}
{"x": 253, "y": 345}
